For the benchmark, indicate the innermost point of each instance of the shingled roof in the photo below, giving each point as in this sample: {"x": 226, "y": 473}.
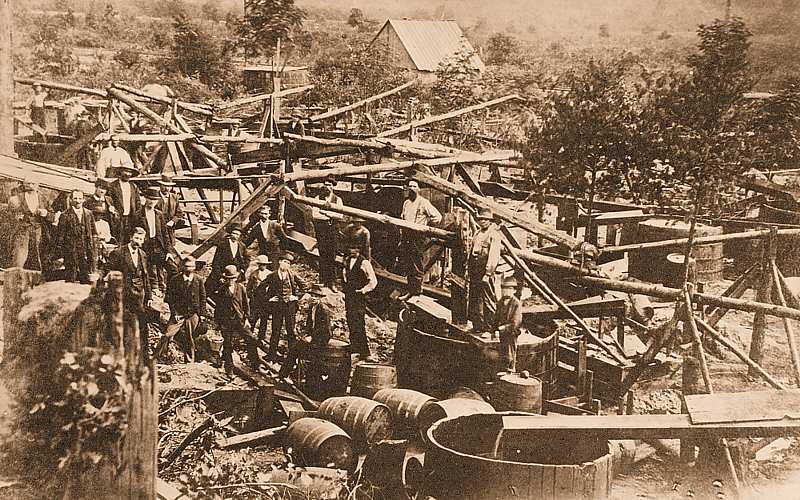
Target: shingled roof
{"x": 428, "y": 43}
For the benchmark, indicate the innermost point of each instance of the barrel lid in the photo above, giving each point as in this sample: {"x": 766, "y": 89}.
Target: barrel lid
{"x": 678, "y": 258}
{"x": 517, "y": 379}
{"x": 680, "y": 225}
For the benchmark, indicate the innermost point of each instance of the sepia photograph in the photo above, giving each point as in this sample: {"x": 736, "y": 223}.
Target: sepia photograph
{"x": 399, "y": 249}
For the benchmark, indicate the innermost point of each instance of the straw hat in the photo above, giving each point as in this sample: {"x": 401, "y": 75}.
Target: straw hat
{"x": 230, "y": 272}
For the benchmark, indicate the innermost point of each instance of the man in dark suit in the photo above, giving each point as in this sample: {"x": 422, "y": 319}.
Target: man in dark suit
{"x": 231, "y": 314}
{"x": 127, "y": 202}
{"x": 170, "y": 206}
{"x": 270, "y": 235}
{"x": 292, "y": 149}
{"x": 156, "y": 242}
{"x": 29, "y": 209}
{"x": 78, "y": 236}
{"x": 101, "y": 204}
{"x": 317, "y": 330}
{"x": 358, "y": 279}
{"x": 186, "y": 296}
{"x": 131, "y": 261}
{"x": 508, "y": 320}
{"x": 282, "y": 289}
{"x": 230, "y": 251}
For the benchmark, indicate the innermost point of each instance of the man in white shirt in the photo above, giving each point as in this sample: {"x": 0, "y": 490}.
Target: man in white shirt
{"x": 359, "y": 279}
{"x": 483, "y": 257}
{"x": 127, "y": 202}
{"x": 419, "y": 210}
{"x": 156, "y": 244}
{"x": 113, "y": 156}
{"x": 327, "y": 234}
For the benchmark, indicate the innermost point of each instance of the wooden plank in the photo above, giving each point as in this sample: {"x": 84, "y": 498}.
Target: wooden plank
{"x": 362, "y": 102}
{"x": 548, "y": 483}
{"x": 564, "y": 482}
{"x": 543, "y": 312}
{"x": 600, "y": 483}
{"x": 743, "y": 406}
{"x": 535, "y": 481}
{"x": 262, "y": 97}
{"x": 644, "y": 427}
{"x": 251, "y": 438}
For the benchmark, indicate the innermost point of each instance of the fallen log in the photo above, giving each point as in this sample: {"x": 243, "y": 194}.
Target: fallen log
{"x": 62, "y": 86}
{"x": 433, "y": 232}
{"x": 262, "y": 97}
{"x": 746, "y": 235}
{"x": 447, "y": 116}
{"x": 251, "y": 438}
{"x": 358, "y": 104}
{"x": 194, "y": 434}
{"x": 156, "y": 118}
{"x": 500, "y": 211}
{"x": 201, "y": 109}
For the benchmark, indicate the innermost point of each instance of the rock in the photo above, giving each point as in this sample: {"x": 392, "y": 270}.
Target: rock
{"x": 771, "y": 451}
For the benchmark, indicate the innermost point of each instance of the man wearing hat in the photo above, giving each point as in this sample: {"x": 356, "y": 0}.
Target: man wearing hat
{"x": 127, "y": 202}
{"x": 282, "y": 289}
{"x": 156, "y": 243}
{"x": 114, "y": 156}
{"x": 483, "y": 256}
{"x": 359, "y": 279}
{"x": 260, "y": 311}
{"x": 231, "y": 314}
{"x": 229, "y": 251}
{"x": 419, "y": 210}
{"x": 131, "y": 261}
{"x": 508, "y": 321}
{"x": 170, "y": 206}
{"x": 78, "y": 238}
{"x": 28, "y": 209}
{"x": 295, "y": 127}
{"x": 100, "y": 203}
{"x": 356, "y": 234}
{"x": 317, "y": 331}
{"x": 269, "y": 233}
{"x": 327, "y": 233}
{"x": 186, "y": 296}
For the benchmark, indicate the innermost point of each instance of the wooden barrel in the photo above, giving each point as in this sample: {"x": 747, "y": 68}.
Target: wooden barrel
{"x": 513, "y": 392}
{"x": 369, "y": 378}
{"x": 470, "y": 458}
{"x": 674, "y": 269}
{"x": 318, "y": 443}
{"x": 788, "y": 252}
{"x": 405, "y": 405}
{"x": 365, "y": 420}
{"x": 327, "y": 370}
{"x": 434, "y": 411}
{"x": 464, "y": 393}
{"x": 649, "y": 265}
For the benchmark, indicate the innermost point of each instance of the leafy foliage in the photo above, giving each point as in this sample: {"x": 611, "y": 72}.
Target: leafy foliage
{"x": 265, "y": 22}
{"x": 458, "y": 83}
{"x": 200, "y": 53}
{"x": 50, "y": 47}
{"x": 503, "y": 49}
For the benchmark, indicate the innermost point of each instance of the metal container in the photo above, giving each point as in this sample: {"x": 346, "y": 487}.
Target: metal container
{"x": 650, "y": 264}
{"x": 788, "y": 252}
{"x": 318, "y": 443}
{"x": 514, "y": 392}
{"x": 365, "y": 420}
{"x": 538, "y": 355}
{"x": 369, "y": 378}
{"x": 469, "y": 458}
{"x": 405, "y": 405}
{"x": 434, "y": 411}
{"x": 327, "y": 370}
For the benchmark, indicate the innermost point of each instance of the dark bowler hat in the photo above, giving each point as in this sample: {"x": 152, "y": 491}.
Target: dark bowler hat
{"x": 317, "y": 290}
{"x": 119, "y": 170}
{"x": 230, "y": 272}
{"x": 233, "y": 227}
{"x": 286, "y": 256}
{"x": 152, "y": 193}
{"x": 330, "y": 181}
{"x": 102, "y": 183}
{"x": 510, "y": 282}
{"x": 485, "y": 214}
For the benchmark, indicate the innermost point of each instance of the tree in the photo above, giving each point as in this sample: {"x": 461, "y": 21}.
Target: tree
{"x": 266, "y": 21}
{"x": 356, "y": 17}
{"x": 198, "y": 53}
{"x": 503, "y": 49}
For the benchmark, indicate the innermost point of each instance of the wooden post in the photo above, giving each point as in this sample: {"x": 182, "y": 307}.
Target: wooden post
{"x": 787, "y": 323}
{"x": 16, "y": 281}
{"x": 276, "y": 83}
{"x": 763, "y": 295}
{"x": 690, "y": 377}
{"x": 6, "y": 79}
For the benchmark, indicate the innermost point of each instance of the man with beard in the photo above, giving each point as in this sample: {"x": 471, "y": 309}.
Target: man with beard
{"x": 270, "y": 235}
{"x": 131, "y": 261}
{"x": 326, "y": 233}
{"x": 28, "y": 208}
{"x": 483, "y": 256}
{"x": 78, "y": 236}
{"x": 127, "y": 202}
{"x": 419, "y": 210}
{"x": 170, "y": 206}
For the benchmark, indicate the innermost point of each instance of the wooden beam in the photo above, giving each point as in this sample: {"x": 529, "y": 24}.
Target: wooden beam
{"x": 156, "y": 118}
{"x": 190, "y": 137}
{"x": 201, "y": 109}
{"x": 62, "y": 86}
{"x": 251, "y": 438}
{"x": 363, "y": 102}
{"x": 746, "y": 235}
{"x": 500, "y": 211}
{"x": 262, "y": 97}
{"x": 447, "y": 116}
{"x": 372, "y": 216}
{"x": 6, "y": 78}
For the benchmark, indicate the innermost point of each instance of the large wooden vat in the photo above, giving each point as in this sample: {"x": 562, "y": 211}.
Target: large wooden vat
{"x": 468, "y": 458}
{"x": 434, "y": 411}
{"x": 788, "y": 252}
{"x": 651, "y": 264}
